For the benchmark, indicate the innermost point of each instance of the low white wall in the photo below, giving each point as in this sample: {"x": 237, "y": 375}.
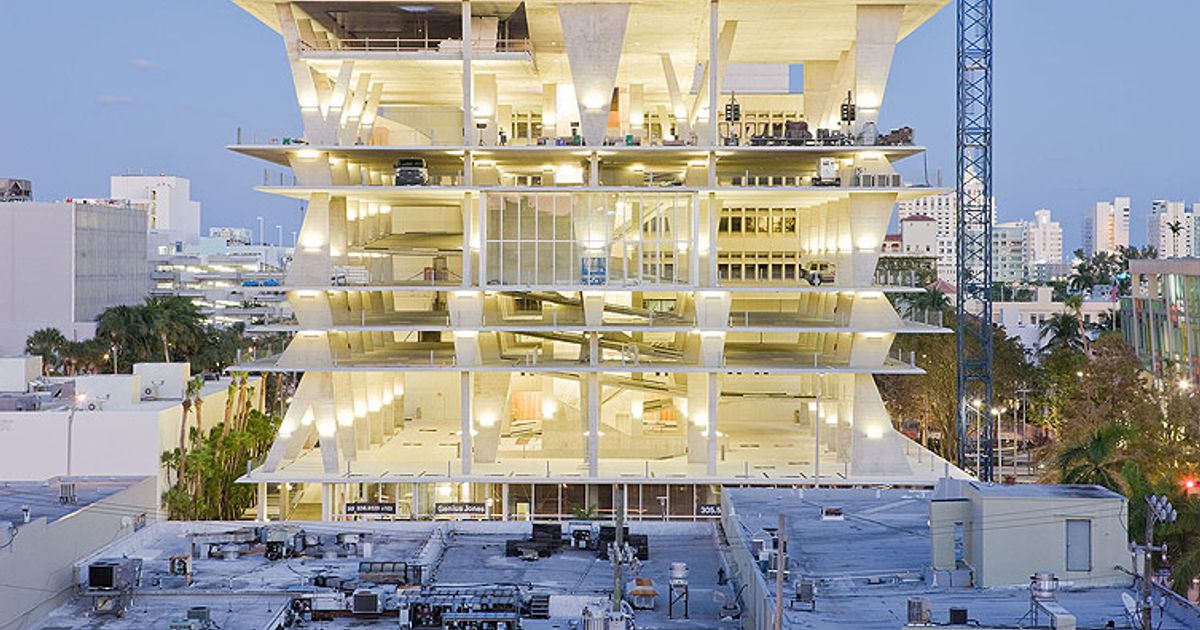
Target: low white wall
{"x": 41, "y": 557}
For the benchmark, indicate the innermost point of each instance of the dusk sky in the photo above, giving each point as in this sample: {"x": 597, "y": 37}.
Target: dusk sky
{"x": 101, "y": 88}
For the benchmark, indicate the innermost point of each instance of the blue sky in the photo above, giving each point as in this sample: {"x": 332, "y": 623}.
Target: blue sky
{"x": 1093, "y": 100}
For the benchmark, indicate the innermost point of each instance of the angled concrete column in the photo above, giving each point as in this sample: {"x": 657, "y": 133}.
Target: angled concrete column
{"x": 878, "y": 30}
{"x": 679, "y": 110}
{"x": 594, "y": 35}
{"x": 697, "y": 418}
{"x": 297, "y": 425}
{"x": 351, "y": 123}
{"x": 491, "y": 411}
{"x": 337, "y": 102}
{"x": 636, "y": 110}
{"x": 370, "y": 112}
{"x": 877, "y": 450}
{"x": 308, "y": 349}
{"x": 302, "y": 76}
{"x": 709, "y": 99}
{"x": 362, "y": 416}
{"x": 343, "y": 403}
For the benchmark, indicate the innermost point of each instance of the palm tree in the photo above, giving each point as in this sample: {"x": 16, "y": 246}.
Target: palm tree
{"x": 1062, "y": 330}
{"x": 1095, "y": 459}
{"x": 174, "y": 319}
{"x": 126, "y": 328}
{"x": 48, "y": 344}
{"x": 932, "y": 299}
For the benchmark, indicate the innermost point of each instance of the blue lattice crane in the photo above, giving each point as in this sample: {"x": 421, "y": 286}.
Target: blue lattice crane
{"x": 974, "y": 232}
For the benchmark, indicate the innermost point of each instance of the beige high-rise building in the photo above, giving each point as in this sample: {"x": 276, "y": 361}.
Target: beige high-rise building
{"x": 566, "y": 254}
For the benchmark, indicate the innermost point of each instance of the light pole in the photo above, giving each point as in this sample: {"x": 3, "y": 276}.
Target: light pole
{"x": 280, "y": 241}
{"x": 262, "y": 237}
{"x": 293, "y": 240}
{"x": 66, "y": 488}
{"x": 1158, "y": 510}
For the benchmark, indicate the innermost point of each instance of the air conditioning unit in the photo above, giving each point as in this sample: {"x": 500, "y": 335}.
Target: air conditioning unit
{"x": 151, "y": 391}
{"x": 114, "y": 574}
{"x": 365, "y": 602}
{"x": 920, "y": 612}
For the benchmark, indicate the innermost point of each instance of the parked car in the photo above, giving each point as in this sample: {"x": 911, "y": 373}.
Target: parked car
{"x": 412, "y": 172}
{"x": 818, "y": 273}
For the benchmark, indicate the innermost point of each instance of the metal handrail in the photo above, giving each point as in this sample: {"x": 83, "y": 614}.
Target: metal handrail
{"x": 413, "y": 44}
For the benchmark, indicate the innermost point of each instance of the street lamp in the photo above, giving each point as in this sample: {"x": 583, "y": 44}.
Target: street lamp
{"x": 280, "y": 228}
{"x": 66, "y": 488}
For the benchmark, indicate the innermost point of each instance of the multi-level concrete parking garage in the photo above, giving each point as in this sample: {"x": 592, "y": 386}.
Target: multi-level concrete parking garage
{"x": 550, "y": 260}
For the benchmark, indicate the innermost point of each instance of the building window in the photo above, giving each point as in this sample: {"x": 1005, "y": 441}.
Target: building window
{"x": 1079, "y": 544}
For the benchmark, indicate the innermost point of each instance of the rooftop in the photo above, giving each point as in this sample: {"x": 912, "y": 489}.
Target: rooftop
{"x": 41, "y": 497}
{"x": 867, "y": 587}
{"x": 251, "y": 592}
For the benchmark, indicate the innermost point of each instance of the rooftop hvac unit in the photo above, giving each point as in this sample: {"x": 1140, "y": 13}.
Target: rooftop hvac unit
{"x": 114, "y": 574}
{"x": 920, "y": 612}
{"x": 152, "y": 391}
{"x": 958, "y": 616}
{"x": 365, "y": 602}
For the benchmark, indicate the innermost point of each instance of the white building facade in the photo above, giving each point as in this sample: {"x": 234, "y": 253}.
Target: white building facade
{"x": 1045, "y": 241}
{"x": 1010, "y": 251}
{"x": 1171, "y": 228}
{"x": 64, "y": 263}
{"x": 602, "y": 278}
{"x": 1106, "y": 227}
{"x": 942, "y": 209}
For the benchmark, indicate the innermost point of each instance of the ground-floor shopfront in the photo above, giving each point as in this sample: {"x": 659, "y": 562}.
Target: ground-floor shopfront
{"x": 510, "y": 500}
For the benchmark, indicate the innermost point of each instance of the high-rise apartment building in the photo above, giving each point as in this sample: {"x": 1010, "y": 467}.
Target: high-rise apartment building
{"x": 538, "y": 257}
{"x": 1171, "y": 228}
{"x": 1106, "y": 227}
{"x": 1010, "y": 251}
{"x": 1045, "y": 240}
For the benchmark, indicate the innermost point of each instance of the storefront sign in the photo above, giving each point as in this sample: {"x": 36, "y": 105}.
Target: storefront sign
{"x": 460, "y": 509}
{"x": 370, "y": 508}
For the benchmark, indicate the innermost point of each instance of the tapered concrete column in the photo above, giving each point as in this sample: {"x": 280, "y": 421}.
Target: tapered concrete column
{"x": 362, "y": 418}
{"x": 261, "y": 511}
{"x": 593, "y": 419}
{"x": 468, "y": 114}
{"x": 877, "y": 450}
{"x": 877, "y": 31}
{"x": 327, "y": 502}
{"x": 593, "y": 35}
{"x": 549, "y": 108}
{"x": 713, "y": 393}
{"x": 343, "y": 405}
{"x": 697, "y": 418}
{"x": 593, "y": 308}
{"x": 486, "y": 109}
{"x": 466, "y": 424}
{"x": 467, "y": 208}
{"x": 714, "y": 67}
{"x": 818, "y": 87}
{"x": 491, "y": 408}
